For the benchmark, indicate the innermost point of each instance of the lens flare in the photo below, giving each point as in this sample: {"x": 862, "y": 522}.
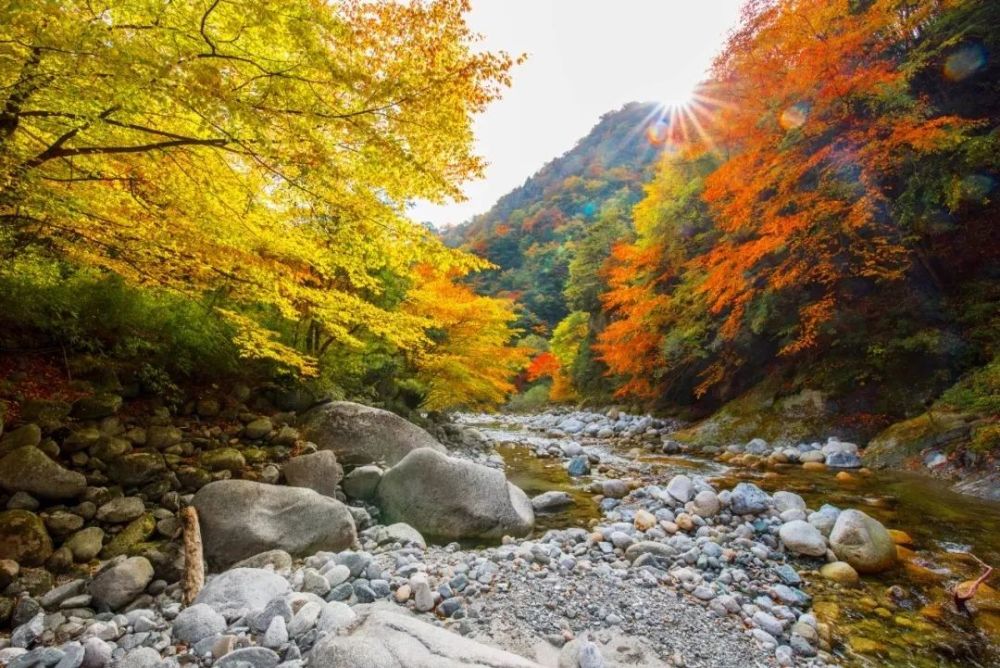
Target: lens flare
{"x": 794, "y": 116}
{"x": 965, "y": 62}
{"x": 677, "y": 124}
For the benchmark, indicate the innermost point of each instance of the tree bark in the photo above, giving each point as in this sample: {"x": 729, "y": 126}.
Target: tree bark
{"x": 194, "y": 563}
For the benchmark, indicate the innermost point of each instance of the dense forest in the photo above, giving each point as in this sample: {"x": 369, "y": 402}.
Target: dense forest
{"x": 822, "y": 215}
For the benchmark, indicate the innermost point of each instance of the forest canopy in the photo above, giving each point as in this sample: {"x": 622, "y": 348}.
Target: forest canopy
{"x": 253, "y": 156}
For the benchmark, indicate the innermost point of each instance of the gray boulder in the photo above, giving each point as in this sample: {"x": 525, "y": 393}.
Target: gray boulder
{"x": 240, "y": 518}
{"x": 748, "y": 499}
{"x": 362, "y": 482}
{"x": 391, "y": 640}
{"x": 242, "y": 591}
{"x": 862, "y": 542}
{"x": 198, "y": 622}
{"x": 30, "y": 470}
{"x": 318, "y": 471}
{"x": 452, "y": 498}
{"x": 361, "y": 435}
{"x": 551, "y": 500}
{"x": 119, "y": 585}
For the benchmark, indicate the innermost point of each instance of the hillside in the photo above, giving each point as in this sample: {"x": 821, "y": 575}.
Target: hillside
{"x": 530, "y": 232}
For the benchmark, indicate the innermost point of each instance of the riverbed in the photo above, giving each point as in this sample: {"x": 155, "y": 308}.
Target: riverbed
{"x": 905, "y": 617}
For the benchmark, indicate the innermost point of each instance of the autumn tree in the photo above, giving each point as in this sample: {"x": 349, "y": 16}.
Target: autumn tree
{"x": 260, "y": 152}
{"x": 471, "y": 360}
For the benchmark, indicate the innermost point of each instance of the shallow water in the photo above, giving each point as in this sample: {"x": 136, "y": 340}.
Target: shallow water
{"x": 902, "y": 618}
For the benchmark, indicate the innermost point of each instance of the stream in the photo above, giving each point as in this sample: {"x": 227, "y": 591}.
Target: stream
{"x": 905, "y": 617}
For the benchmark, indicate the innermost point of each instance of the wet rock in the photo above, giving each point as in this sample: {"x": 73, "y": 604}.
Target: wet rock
{"x": 862, "y": 542}
{"x": 23, "y": 538}
{"x": 840, "y": 572}
{"x": 318, "y": 471}
{"x": 551, "y": 500}
{"x": 361, "y": 435}
{"x": 120, "y": 584}
{"x": 240, "y": 518}
{"x": 578, "y": 466}
{"x": 31, "y": 470}
{"x": 258, "y": 428}
{"x": 452, "y": 498}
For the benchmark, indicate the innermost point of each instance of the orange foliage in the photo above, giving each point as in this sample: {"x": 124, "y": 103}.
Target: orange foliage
{"x": 808, "y": 112}
{"x": 543, "y": 365}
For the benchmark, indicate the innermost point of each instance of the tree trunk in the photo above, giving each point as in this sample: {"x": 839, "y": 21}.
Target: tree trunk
{"x": 194, "y": 563}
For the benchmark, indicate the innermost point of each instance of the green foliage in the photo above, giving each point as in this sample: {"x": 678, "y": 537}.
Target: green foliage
{"x": 160, "y": 334}
{"x": 977, "y": 392}
{"x": 533, "y": 399}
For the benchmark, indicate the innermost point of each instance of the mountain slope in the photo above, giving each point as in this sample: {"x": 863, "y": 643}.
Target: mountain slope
{"x": 530, "y": 232}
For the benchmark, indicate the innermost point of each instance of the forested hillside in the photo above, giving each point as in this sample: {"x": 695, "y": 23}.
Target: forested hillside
{"x": 823, "y": 216}
{"x": 532, "y": 232}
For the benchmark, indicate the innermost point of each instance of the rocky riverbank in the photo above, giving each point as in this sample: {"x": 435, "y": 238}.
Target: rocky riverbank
{"x": 314, "y": 567}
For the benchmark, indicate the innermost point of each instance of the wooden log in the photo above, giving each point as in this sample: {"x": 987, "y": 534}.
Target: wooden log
{"x": 194, "y": 560}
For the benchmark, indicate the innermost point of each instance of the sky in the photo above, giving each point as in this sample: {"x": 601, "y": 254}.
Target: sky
{"x": 585, "y": 58}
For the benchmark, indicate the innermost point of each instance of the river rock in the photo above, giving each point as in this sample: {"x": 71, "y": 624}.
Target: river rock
{"x": 551, "y": 500}
{"x": 361, "y": 435}
{"x": 28, "y": 435}
{"x": 400, "y": 533}
{"x": 862, "y": 542}
{"x": 240, "y": 518}
{"x": 223, "y": 459}
{"x": 162, "y": 437}
{"x": 30, "y": 470}
{"x": 23, "y": 538}
{"x": 800, "y": 537}
{"x": 120, "y": 584}
{"x": 121, "y": 509}
{"x": 137, "y": 468}
{"x": 140, "y": 657}
{"x": 706, "y": 504}
{"x": 748, "y": 499}
{"x": 788, "y": 501}
{"x": 86, "y": 544}
{"x": 841, "y": 572}
{"x": 388, "y": 639}
{"x": 680, "y": 488}
{"x": 451, "y": 498}
{"x": 362, "y": 481}
{"x": 242, "y": 591}
{"x": 198, "y": 622}
{"x": 96, "y": 407}
{"x": 318, "y": 471}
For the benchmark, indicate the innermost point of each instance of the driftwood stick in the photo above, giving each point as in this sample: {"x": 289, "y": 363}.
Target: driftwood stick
{"x": 965, "y": 593}
{"x": 194, "y": 562}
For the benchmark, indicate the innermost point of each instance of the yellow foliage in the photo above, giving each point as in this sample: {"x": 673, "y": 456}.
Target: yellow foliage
{"x": 263, "y": 151}
{"x": 470, "y": 361}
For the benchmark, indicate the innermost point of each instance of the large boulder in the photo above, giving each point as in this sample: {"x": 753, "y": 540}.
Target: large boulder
{"x": 361, "y": 435}
{"x": 450, "y": 498}
{"x": 120, "y": 584}
{"x": 318, "y": 471}
{"x": 862, "y": 542}
{"x": 242, "y": 591}
{"x": 240, "y": 518}
{"x": 30, "y": 470}
{"x": 23, "y": 538}
{"x": 388, "y": 639}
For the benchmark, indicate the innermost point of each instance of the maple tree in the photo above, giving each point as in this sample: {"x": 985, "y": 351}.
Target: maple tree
{"x": 263, "y": 153}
